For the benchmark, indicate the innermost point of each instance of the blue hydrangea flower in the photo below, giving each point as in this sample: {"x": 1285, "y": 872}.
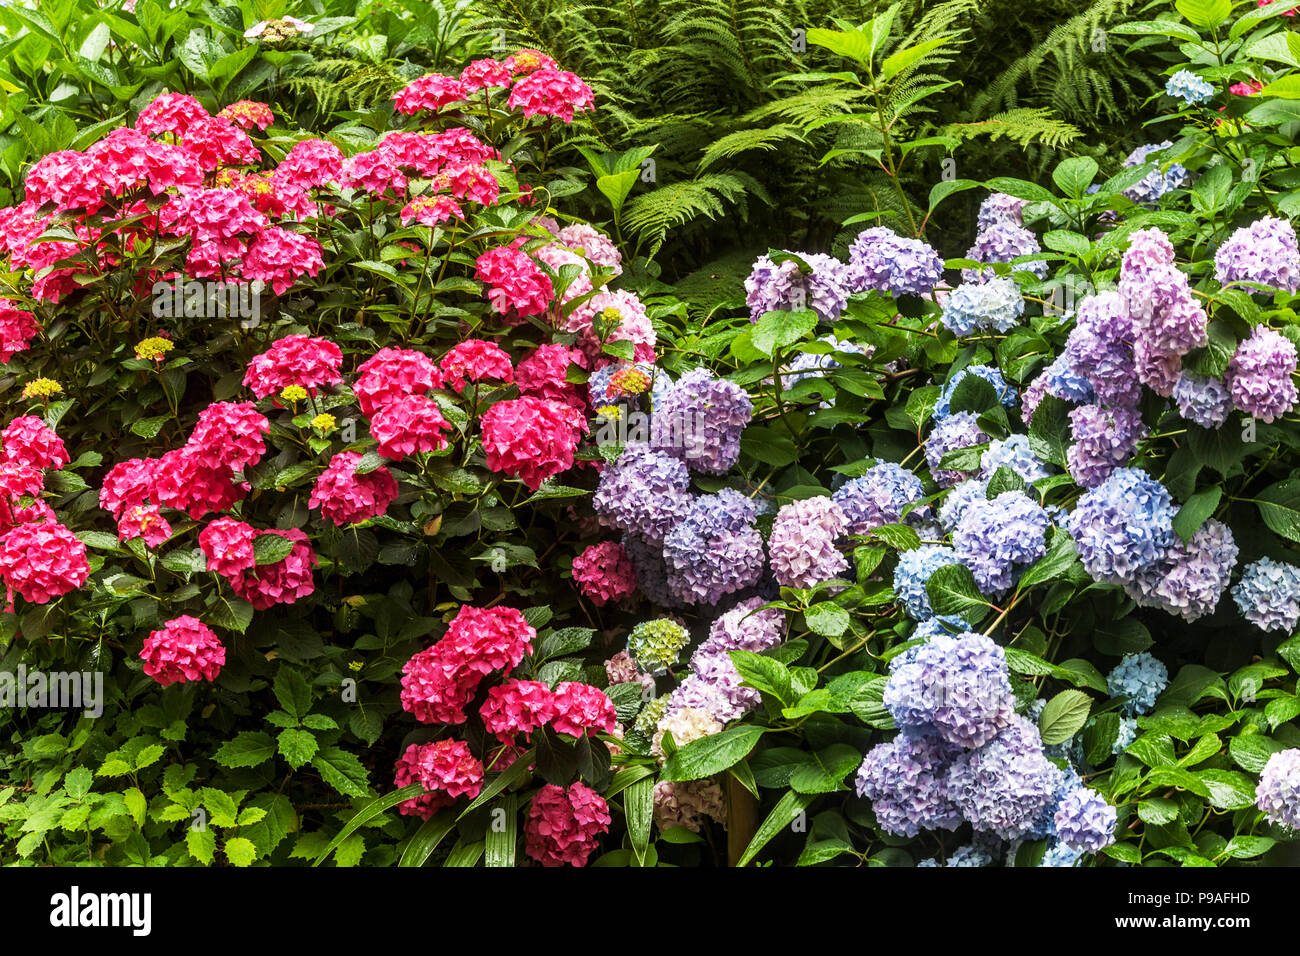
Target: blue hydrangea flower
{"x": 913, "y": 570}
{"x": 1058, "y": 854}
{"x": 1268, "y": 595}
{"x": 647, "y": 560}
{"x": 959, "y": 499}
{"x": 944, "y": 624}
{"x": 995, "y": 305}
{"x": 716, "y": 550}
{"x": 1188, "y": 87}
{"x": 997, "y": 539}
{"x": 699, "y": 421}
{"x": 1014, "y": 453}
{"x": 958, "y": 430}
{"x": 1003, "y": 786}
{"x": 969, "y": 855}
{"x": 1156, "y": 183}
{"x": 643, "y": 492}
{"x": 1085, "y": 821}
{"x": 1060, "y": 380}
{"x": 1139, "y": 677}
{"x": 1006, "y": 394}
{"x": 1122, "y": 525}
{"x": 955, "y": 685}
{"x": 1205, "y": 401}
{"x": 880, "y": 260}
{"x": 1128, "y": 731}
{"x": 905, "y": 780}
{"x": 1278, "y": 791}
{"x": 878, "y": 496}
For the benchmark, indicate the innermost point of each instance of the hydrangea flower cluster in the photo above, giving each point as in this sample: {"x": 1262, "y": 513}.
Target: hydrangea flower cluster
{"x": 564, "y": 824}
{"x": 1168, "y": 322}
{"x": 1203, "y": 400}
{"x": 957, "y": 430}
{"x": 913, "y": 571}
{"x": 657, "y": 645}
{"x": 1011, "y": 452}
{"x": 1188, "y": 87}
{"x": 1003, "y": 242}
{"x": 643, "y": 492}
{"x": 784, "y": 286}
{"x": 1189, "y": 578}
{"x": 1268, "y": 595}
{"x": 995, "y": 306}
{"x": 688, "y": 803}
{"x": 715, "y": 550}
{"x": 1265, "y": 252}
{"x": 1104, "y": 439}
{"x": 1085, "y": 821}
{"x": 184, "y": 649}
{"x": 998, "y": 209}
{"x": 346, "y": 497}
{"x": 956, "y": 686}
{"x": 802, "y": 546}
{"x": 530, "y": 438}
{"x": 997, "y": 538}
{"x": 1139, "y": 677}
{"x": 1154, "y": 184}
{"x": 699, "y": 421}
{"x": 880, "y": 260}
{"x": 877, "y": 497}
{"x": 1278, "y": 791}
{"x": 1123, "y": 525}
{"x": 445, "y": 768}
{"x": 604, "y": 573}
{"x": 1261, "y": 375}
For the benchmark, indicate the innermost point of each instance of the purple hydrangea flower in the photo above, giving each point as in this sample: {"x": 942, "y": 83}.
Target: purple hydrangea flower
{"x": 958, "y": 430}
{"x": 1006, "y": 394}
{"x": 1264, "y": 252}
{"x": 783, "y": 286}
{"x": 1104, "y": 439}
{"x": 1002, "y": 243}
{"x": 643, "y": 492}
{"x": 1155, "y": 183}
{"x": 1202, "y": 400}
{"x": 998, "y": 538}
{"x": 713, "y": 698}
{"x": 996, "y": 305}
{"x": 1188, "y": 87}
{"x": 1059, "y": 380}
{"x": 1268, "y": 595}
{"x": 877, "y": 497}
{"x": 959, "y": 499}
{"x": 700, "y": 420}
{"x": 716, "y": 550}
{"x": 905, "y": 780}
{"x": 1003, "y": 786}
{"x": 880, "y": 260}
{"x": 1100, "y": 350}
{"x": 1168, "y": 322}
{"x": 1000, "y": 209}
{"x": 1188, "y": 579}
{"x": 955, "y": 685}
{"x": 802, "y": 548}
{"x": 1260, "y": 375}
{"x": 647, "y": 561}
{"x": 1141, "y": 678}
{"x": 913, "y": 570}
{"x": 1085, "y": 821}
{"x": 1278, "y": 791}
{"x": 743, "y": 628}
{"x": 1014, "y": 453}
{"x": 1123, "y": 525}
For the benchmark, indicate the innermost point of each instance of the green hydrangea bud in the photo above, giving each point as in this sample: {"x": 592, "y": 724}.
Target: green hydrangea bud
{"x": 655, "y": 645}
{"x": 647, "y": 722}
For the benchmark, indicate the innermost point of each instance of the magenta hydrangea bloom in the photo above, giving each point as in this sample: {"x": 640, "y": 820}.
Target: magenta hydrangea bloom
{"x": 185, "y": 649}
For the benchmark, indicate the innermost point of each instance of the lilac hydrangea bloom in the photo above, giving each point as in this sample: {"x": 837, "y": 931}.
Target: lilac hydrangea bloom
{"x": 783, "y": 286}
{"x": 1278, "y": 791}
{"x": 1006, "y": 394}
{"x": 1013, "y": 452}
{"x": 1168, "y": 322}
{"x": 1085, "y": 821}
{"x": 877, "y": 497}
{"x": 697, "y": 693}
{"x": 880, "y": 260}
{"x": 647, "y": 561}
{"x": 1188, "y": 87}
{"x": 1060, "y": 380}
{"x": 955, "y": 685}
{"x": 1155, "y": 183}
{"x": 959, "y": 499}
{"x": 1141, "y": 678}
{"x": 1000, "y": 209}
{"x": 1188, "y": 579}
{"x": 700, "y": 420}
{"x": 1002, "y": 243}
{"x": 1122, "y": 525}
{"x": 1100, "y": 349}
{"x": 913, "y": 570}
{"x": 1260, "y": 375}
{"x": 997, "y": 538}
{"x": 802, "y": 548}
{"x": 958, "y": 430}
{"x": 1104, "y": 439}
{"x": 1202, "y": 400}
{"x": 905, "y": 780}
{"x": 1264, "y": 252}
{"x": 1268, "y": 595}
{"x": 1003, "y": 786}
{"x": 716, "y": 549}
{"x": 996, "y": 305}
{"x": 743, "y": 628}
{"x": 643, "y": 492}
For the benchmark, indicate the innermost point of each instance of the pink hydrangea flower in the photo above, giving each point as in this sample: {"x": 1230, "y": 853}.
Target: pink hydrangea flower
{"x": 144, "y": 521}
{"x": 564, "y": 824}
{"x": 229, "y": 435}
{"x": 42, "y": 562}
{"x": 625, "y": 320}
{"x": 127, "y": 484}
{"x": 550, "y": 92}
{"x": 218, "y": 142}
{"x": 247, "y": 113}
{"x": 445, "y": 768}
{"x": 544, "y": 373}
{"x": 517, "y": 707}
{"x": 17, "y": 329}
{"x": 278, "y": 257}
{"x": 311, "y": 162}
{"x": 345, "y": 497}
{"x": 431, "y": 92}
{"x": 181, "y": 481}
{"x": 581, "y": 710}
{"x": 468, "y": 181}
{"x": 408, "y": 425}
{"x": 283, "y": 582}
{"x": 436, "y": 688}
{"x": 20, "y": 478}
{"x": 484, "y": 73}
{"x": 593, "y": 244}
{"x": 171, "y": 113}
{"x": 227, "y": 543}
{"x": 377, "y": 172}
{"x": 392, "y": 373}
{"x": 475, "y": 360}
{"x": 531, "y": 438}
{"x": 184, "y": 650}
{"x": 27, "y": 438}
{"x": 515, "y": 282}
{"x": 604, "y": 573}
{"x": 294, "y": 360}
{"x": 213, "y": 215}
{"x": 431, "y": 210}
{"x": 486, "y": 640}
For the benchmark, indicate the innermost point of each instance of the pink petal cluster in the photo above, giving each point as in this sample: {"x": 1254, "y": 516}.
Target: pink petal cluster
{"x": 431, "y": 93}
{"x": 248, "y": 113}
{"x": 17, "y": 329}
{"x": 624, "y": 316}
{"x": 564, "y": 824}
{"x": 392, "y": 373}
{"x": 604, "y": 573}
{"x": 28, "y": 439}
{"x": 311, "y": 162}
{"x": 445, "y": 768}
{"x": 484, "y": 73}
{"x": 1261, "y": 374}
{"x": 228, "y": 435}
{"x": 42, "y": 561}
{"x": 285, "y": 581}
{"x": 171, "y": 113}
{"x": 550, "y": 92}
{"x": 146, "y": 522}
{"x": 278, "y": 257}
{"x": 531, "y": 439}
{"x": 345, "y": 497}
{"x": 431, "y": 210}
{"x": 593, "y": 244}
{"x": 184, "y": 650}
{"x": 515, "y": 282}
{"x": 517, "y": 706}
{"x": 227, "y": 543}
{"x": 544, "y": 374}
{"x": 294, "y": 360}
{"x": 476, "y": 360}
{"x": 182, "y": 481}
{"x": 408, "y": 425}
{"x": 580, "y": 710}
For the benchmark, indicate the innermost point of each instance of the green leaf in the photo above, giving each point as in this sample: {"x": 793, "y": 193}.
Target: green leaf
{"x": 240, "y": 851}
{"x": 1206, "y": 14}
{"x": 201, "y": 844}
{"x": 1251, "y": 751}
{"x": 1197, "y": 510}
{"x": 367, "y": 813}
{"x": 297, "y": 746}
{"x": 952, "y": 590}
{"x": 271, "y": 548}
{"x": 638, "y": 807}
{"x": 776, "y": 331}
{"x": 713, "y": 754}
{"x": 1021, "y": 190}
{"x": 1049, "y": 431}
{"x": 1279, "y": 506}
{"x": 1228, "y": 789}
{"x": 764, "y": 673}
{"x": 1064, "y": 715}
{"x": 249, "y": 749}
{"x": 78, "y": 782}
{"x": 826, "y": 769}
{"x": 342, "y": 771}
{"x": 783, "y": 814}
{"x": 616, "y": 186}
{"x": 901, "y": 537}
{"x": 502, "y": 833}
{"x": 827, "y": 619}
{"x": 1060, "y": 557}
{"x": 1075, "y": 175}
{"x": 292, "y": 691}
{"x": 427, "y": 838}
